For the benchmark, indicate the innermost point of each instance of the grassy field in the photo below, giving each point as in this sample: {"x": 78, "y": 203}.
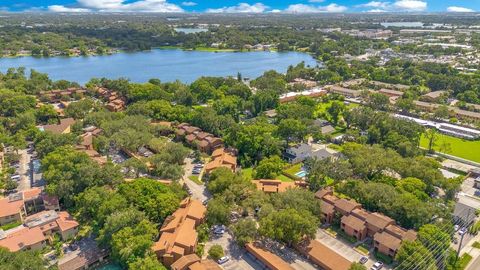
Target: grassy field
{"x": 323, "y": 106}
{"x": 465, "y": 149}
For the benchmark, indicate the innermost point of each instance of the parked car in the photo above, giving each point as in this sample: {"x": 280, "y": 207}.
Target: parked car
{"x": 363, "y": 260}
{"x": 456, "y": 227}
{"x": 218, "y": 229}
{"x": 462, "y": 231}
{"x": 223, "y": 260}
{"x": 15, "y": 177}
{"x": 377, "y": 266}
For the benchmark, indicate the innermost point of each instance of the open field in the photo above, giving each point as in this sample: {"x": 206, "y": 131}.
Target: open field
{"x": 460, "y": 148}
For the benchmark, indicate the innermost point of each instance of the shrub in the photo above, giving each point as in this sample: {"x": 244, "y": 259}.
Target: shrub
{"x": 216, "y": 252}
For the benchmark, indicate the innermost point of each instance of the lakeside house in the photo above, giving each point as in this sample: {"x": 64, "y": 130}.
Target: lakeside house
{"x": 360, "y": 224}
{"x": 178, "y": 235}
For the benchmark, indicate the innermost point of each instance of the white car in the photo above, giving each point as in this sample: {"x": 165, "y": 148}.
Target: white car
{"x": 462, "y": 231}
{"x": 377, "y": 266}
{"x": 223, "y": 260}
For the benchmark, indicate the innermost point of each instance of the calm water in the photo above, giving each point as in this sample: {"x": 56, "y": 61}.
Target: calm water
{"x": 191, "y": 30}
{"x": 167, "y": 65}
{"x": 402, "y": 24}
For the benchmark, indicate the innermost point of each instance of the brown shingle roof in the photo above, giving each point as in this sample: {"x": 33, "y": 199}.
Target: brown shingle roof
{"x": 22, "y": 238}
{"x": 269, "y": 259}
{"x": 387, "y": 240}
{"x": 353, "y": 222}
{"x": 378, "y": 220}
{"x": 324, "y": 256}
{"x": 346, "y": 205}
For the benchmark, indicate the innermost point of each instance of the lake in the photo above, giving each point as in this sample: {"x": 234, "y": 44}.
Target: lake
{"x": 402, "y": 24}
{"x": 164, "y": 64}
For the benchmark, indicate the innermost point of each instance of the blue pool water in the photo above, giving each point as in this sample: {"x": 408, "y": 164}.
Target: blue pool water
{"x": 301, "y": 174}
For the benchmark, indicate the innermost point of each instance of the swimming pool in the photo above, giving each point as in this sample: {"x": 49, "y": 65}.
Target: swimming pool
{"x": 301, "y": 174}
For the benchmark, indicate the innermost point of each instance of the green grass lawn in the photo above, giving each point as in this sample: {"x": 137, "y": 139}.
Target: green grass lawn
{"x": 323, "y": 106}
{"x": 294, "y": 169}
{"x": 11, "y": 225}
{"x": 460, "y": 148}
{"x": 247, "y": 173}
{"x": 195, "y": 179}
{"x": 285, "y": 178}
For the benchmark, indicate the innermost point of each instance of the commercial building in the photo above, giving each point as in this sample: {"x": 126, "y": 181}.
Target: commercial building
{"x": 178, "y": 236}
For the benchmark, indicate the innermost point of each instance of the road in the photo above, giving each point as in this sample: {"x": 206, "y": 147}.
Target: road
{"x": 24, "y": 171}
{"x": 199, "y": 192}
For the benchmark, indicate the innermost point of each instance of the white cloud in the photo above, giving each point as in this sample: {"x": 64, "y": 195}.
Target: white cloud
{"x": 189, "y": 4}
{"x": 375, "y": 4}
{"x": 240, "y": 8}
{"x": 275, "y": 11}
{"x": 459, "y": 9}
{"x": 120, "y": 6}
{"x": 301, "y": 8}
{"x": 376, "y": 10}
{"x": 59, "y": 8}
{"x": 410, "y": 5}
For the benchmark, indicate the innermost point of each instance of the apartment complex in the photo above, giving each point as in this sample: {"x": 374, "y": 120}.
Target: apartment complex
{"x": 360, "y": 224}
{"x": 349, "y": 93}
{"x": 194, "y": 136}
{"x": 454, "y": 111}
{"x": 323, "y": 256}
{"x": 267, "y": 258}
{"x": 178, "y": 236}
{"x": 193, "y": 262}
{"x": 86, "y": 144}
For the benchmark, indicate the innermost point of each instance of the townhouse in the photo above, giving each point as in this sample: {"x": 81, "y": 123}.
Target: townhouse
{"x": 454, "y": 111}
{"x": 221, "y": 158}
{"x": 276, "y": 186}
{"x": 193, "y": 262}
{"x": 63, "y": 127}
{"x": 194, "y": 136}
{"x": 266, "y": 258}
{"x": 115, "y": 102}
{"x": 178, "y": 235}
{"x": 360, "y": 224}
{"x": 62, "y": 95}
{"x": 349, "y": 93}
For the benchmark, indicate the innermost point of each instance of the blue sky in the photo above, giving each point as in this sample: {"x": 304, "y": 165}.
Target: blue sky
{"x": 258, "y": 6}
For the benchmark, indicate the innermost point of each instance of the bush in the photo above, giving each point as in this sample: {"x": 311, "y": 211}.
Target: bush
{"x": 216, "y": 252}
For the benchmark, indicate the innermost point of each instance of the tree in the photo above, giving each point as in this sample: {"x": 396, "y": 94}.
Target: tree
{"x": 244, "y": 231}
{"x": 357, "y": 266}
{"x": 320, "y": 170}
{"x": 432, "y": 136}
{"x": 221, "y": 179}
{"x": 414, "y": 253}
{"x": 218, "y": 212}
{"x": 441, "y": 112}
{"x": 216, "y": 252}
{"x": 335, "y": 110}
{"x": 147, "y": 263}
{"x": 430, "y": 235}
{"x": 135, "y": 167}
{"x": 269, "y": 168}
{"x": 115, "y": 222}
{"x": 291, "y": 130}
{"x": 134, "y": 242}
{"x": 378, "y": 101}
{"x": 20, "y": 260}
{"x": 155, "y": 199}
{"x": 289, "y": 225}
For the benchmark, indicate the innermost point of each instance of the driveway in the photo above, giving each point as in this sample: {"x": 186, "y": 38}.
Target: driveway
{"x": 239, "y": 258}
{"x": 199, "y": 192}
{"x": 24, "y": 171}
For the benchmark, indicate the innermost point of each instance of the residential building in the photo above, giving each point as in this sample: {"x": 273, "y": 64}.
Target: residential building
{"x": 221, "y": 158}
{"x": 178, "y": 236}
{"x": 349, "y": 93}
{"x": 23, "y": 239}
{"x": 115, "y": 102}
{"x": 399, "y": 87}
{"x": 51, "y": 222}
{"x": 17, "y": 206}
{"x": 64, "y": 127}
{"x": 306, "y": 83}
{"x": 434, "y": 96}
{"x": 323, "y": 256}
{"x": 276, "y": 186}
{"x": 360, "y": 224}
{"x": 61, "y": 95}
{"x": 303, "y": 151}
{"x": 193, "y": 262}
{"x": 194, "y": 136}
{"x": 459, "y": 113}
{"x": 390, "y": 92}
{"x": 267, "y": 258}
